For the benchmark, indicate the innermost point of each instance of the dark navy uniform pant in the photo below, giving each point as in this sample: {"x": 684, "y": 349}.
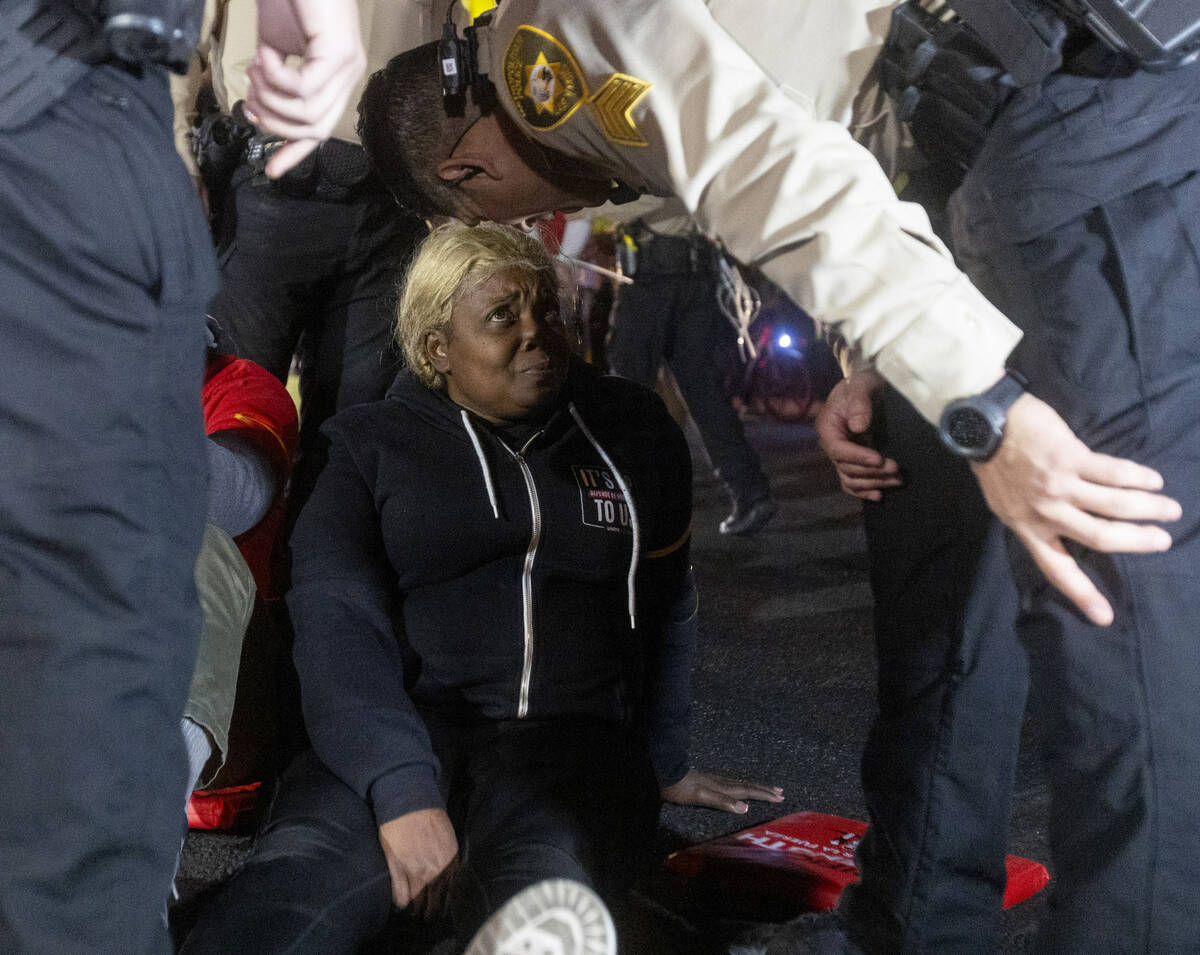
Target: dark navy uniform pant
{"x": 1097, "y": 257}
{"x": 1081, "y": 221}
{"x": 940, "y": 757}
{"x": 105, "y": 271}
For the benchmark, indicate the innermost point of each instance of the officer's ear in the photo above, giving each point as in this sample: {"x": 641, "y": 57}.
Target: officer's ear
{"x": 459, "y": 169}
{"x": 480, "y": 150}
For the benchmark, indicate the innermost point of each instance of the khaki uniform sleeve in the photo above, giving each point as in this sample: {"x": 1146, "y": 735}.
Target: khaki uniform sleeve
{"x": 185, "y": 89}
{"x": 234, "y": 46}
{"x": 793, "y": 194}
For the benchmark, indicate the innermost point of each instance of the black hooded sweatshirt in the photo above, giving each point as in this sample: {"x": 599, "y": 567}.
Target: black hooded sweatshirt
{"x": 443, "y": 565}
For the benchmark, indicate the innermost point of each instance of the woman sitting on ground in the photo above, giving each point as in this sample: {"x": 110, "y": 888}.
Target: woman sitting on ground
{"x": 483, "y": 582}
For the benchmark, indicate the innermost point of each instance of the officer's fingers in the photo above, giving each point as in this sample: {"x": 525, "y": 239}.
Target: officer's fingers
{"x": 291, "y": 100}
{"x": 278, "y": 88}
{"x": 291, "y": 116}
{"x": 1118, "y": 472}
{"x": 850, "y": 452}
{"x": 326, "y": 67}
{"x": 321, "y": 84}
{"x": 1125, "y": 504}
{"x": 858, "y": 486}
{"x": 867, "y": 481}
{"x": 289, "y": 155}
{"x": 857, "y": 411}
{"x": 269, "y": 106}
{"x": 274, "y": 72}
{"x": 1066, "y": 576}
{"x": 886, "y": 471}
{"x": 1109, "y": 537}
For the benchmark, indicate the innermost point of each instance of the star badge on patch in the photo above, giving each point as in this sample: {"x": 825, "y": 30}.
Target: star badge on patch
{"x": 547, "y": 86}
{"x": 541, "y": 84}
{"x": 543, "y": 78}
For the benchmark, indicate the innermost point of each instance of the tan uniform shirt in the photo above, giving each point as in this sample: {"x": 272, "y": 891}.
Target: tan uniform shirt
{"x": 761, "y": 154}
{"x": 230, "y": 35}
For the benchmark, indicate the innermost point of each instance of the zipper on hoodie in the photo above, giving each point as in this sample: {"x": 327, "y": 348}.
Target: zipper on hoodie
{"x": 535, "y": 536}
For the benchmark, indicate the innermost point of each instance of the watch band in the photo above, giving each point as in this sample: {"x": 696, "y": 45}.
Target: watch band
{"x": 973, "y": 427}
{"x": 1007, "y": 390}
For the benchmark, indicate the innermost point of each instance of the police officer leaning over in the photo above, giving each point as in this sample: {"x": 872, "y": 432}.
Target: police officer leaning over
{"x": 585, "y": 101}
{"x": 106, "y": 269}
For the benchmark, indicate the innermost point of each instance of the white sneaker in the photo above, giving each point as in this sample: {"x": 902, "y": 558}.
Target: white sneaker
{"x": 553, "y": 917}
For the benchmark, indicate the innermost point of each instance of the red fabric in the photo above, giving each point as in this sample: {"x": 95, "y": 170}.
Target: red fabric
{"x": 223, "y": 808}
{"x": 551, "y": 230}
{"x": 241, "y": 396}
{"x": 799, "y": 863}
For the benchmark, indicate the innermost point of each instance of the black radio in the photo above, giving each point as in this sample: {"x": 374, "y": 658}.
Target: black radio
{"x": 1156, "y": 34}
{"x": 152, "y": 31}
{"x": 458, "y": 58}
{"x": 47, "y": 45}
{"x": 1151, "y": 34}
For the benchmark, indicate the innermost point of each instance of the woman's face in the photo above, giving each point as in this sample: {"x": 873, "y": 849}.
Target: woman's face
{"x": 504, "y": 353}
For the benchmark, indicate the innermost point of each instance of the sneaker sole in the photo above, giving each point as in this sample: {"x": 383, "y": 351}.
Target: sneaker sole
{"x": 554, "y": 917}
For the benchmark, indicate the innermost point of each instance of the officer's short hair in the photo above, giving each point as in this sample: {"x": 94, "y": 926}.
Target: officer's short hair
{"x": 405, "y": 128}
{"x": 452, "y": 261}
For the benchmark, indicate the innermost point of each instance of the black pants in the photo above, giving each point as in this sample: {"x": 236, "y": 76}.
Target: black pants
{"x": 105, "y": 272}
{"x": 528, "y": 802}
{"x": 1081, "y": 220}
{"x": 940, "y": 758}
{"x": 315, "y": 279}
{"x": 673, "y": 317}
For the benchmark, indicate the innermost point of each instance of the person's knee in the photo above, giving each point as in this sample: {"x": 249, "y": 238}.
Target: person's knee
{"x": 317, "y": 818}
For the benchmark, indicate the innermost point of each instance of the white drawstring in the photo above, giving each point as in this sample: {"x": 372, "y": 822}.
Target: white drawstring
{"x": 633, "y": 518}
{"x": 483, "y": 465}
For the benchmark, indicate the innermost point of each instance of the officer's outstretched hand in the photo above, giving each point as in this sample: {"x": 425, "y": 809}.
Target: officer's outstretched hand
{"x": 302, "y": 103}
{"x": 719, "y": 792}
{"x": 422, "y": 853}
{"x": 841, "y": 425}
{"x": 1046, "y": 485}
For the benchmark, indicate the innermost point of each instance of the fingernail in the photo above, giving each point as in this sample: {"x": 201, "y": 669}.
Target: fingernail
{"x": 741, "y": 807}
{"x": 1101, "y": 614}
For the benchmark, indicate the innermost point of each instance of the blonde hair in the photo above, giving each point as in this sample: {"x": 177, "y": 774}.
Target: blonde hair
{"x": 454, "y": 260}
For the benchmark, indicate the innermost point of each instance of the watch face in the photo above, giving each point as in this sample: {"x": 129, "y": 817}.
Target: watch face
{"x": 970, "y": 429}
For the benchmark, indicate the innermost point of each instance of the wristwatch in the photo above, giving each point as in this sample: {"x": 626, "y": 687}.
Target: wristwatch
{"x": 974, "y": 426}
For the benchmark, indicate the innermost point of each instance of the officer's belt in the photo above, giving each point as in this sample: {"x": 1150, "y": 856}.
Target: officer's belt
{"x": 659, "y": 254}
{"x": 336, "y": 171}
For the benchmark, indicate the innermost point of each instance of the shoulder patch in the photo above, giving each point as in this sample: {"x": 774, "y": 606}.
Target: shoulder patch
{"x": 543, "y": 78}
{"x": 547, "y": 86}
